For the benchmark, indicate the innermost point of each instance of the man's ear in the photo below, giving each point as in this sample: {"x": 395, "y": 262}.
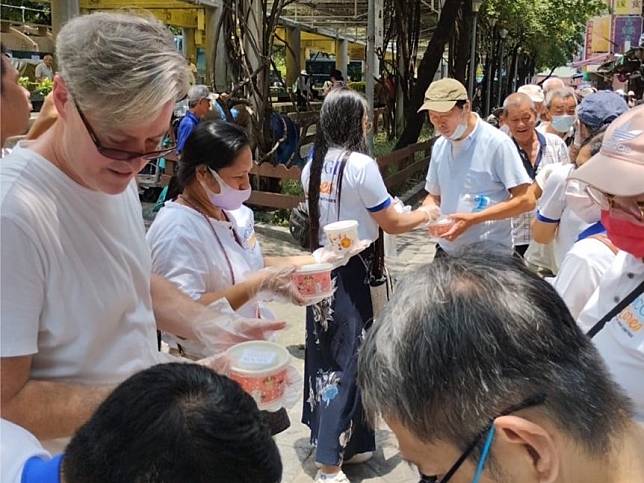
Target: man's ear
{"x": 529, "y": 444}
{"x": 61, "y": 96}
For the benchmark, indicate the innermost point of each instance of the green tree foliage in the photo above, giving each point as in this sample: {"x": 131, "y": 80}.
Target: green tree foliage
{"x": 34, "y": 12}
{"x": 551, "y": 31}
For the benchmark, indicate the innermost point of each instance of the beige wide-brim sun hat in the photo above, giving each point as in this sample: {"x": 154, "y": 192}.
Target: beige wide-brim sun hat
{"x": 618, "y": 168}
{"x": 442, "y": 95}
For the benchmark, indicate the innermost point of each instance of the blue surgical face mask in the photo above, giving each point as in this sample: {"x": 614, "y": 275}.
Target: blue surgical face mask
{"x": 563, "y": 124}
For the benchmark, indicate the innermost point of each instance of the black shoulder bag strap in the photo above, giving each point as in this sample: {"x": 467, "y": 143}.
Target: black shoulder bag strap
{"x": 343, "y": 163}
{"x": 616, "y": 310}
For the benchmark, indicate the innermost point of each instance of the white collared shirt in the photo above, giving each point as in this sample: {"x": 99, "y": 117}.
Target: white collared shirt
{"x": 17, "y": 446}
{"x": 621, "y": 342}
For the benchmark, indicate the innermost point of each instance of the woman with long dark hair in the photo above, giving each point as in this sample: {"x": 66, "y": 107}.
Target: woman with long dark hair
{"x": 335, "y": 327}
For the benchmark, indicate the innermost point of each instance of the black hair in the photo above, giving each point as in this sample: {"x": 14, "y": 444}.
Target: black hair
{"x": 215, "y": 144}
{"x": 341, "y": 125}
{"x": 461, "y": 104}
{"x": 3, "y": 58}
{"x": 469, "y": 336}
{"x": 594, "y": 142}
{"x": 174, "y": 423}
{"x": 337, "y": 75}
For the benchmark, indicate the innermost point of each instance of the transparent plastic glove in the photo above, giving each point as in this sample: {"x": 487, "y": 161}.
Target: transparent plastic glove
{"x": 294, "y": 384}
{"x": 219, "y": 327}
{"x": 327, "y": 255}
{"x": 219, "y": 363}
{"x": 277, "y": 283}
{"x": 400, "y": 207}
{"x": 433, "y": 212}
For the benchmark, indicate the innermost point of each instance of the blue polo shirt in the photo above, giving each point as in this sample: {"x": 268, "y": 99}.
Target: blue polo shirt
{"x": 186, "y": 126}
{"x": 486, "y": 163}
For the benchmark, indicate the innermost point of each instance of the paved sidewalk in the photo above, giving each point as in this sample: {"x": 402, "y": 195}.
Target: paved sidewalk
{"x": 297, "y": 455}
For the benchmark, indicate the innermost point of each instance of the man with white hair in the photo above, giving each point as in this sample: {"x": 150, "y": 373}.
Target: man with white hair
{"x": 78, "y": 302}
{"x": 536, "y": 150}
{"x": 561, "y": 105}
{"x": 552, "y": 84}
{"x": 199, "y": 103}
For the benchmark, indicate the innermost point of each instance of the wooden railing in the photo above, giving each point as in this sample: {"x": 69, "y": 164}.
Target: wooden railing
{"x": 396, "y": 167}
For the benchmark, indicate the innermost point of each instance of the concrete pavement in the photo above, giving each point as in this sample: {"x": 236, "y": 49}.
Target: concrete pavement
{"x": 297, "y": 455}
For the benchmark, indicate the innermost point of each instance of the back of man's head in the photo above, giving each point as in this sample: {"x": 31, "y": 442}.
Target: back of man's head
{"x": 174, "y": 423}
{"x": 468, "y": 337}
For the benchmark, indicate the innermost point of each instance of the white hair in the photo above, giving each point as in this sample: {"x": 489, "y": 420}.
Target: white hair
{"x": 516, "y": 100}
{"x": 123, "y": 68}
{"x": 551, "y": 84}
{"x": 564, "y": 93}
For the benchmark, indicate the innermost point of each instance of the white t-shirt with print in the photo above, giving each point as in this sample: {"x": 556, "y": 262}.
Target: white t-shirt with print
{"x": 552, "y": 208}
{"x": 486, "y": 163}
{"x": 363, "y": 192}
{"x": 17, "y": 446}
{"x": 75, "y": 275}
{"x": 621, "y": 342}
{"x": 186, "y": 252}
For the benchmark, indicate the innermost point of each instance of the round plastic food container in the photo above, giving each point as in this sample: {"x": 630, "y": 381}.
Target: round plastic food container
{"x": 440, "y": 227}
{"x": 314, "y": 280}
{"x": 342, "y": 235}
{"x": 260, "y": 369}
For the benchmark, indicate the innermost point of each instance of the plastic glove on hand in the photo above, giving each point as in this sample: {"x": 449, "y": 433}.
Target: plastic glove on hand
{"x": 279, "y": 283}
{"x": 327, "y": 255}
{"x": 220, "y": 327}
{"x": 433, "y": 212}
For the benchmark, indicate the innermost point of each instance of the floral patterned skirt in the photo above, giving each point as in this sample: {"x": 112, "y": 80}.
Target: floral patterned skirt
{"x": 335, "y": 329}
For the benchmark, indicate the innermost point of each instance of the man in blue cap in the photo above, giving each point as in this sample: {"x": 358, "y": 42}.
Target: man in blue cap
{"x": 596, "y": 111}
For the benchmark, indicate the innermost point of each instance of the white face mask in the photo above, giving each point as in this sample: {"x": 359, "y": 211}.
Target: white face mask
{"x": 563, "y": 124}
{"x": 228, "y": 197}
{"x": 459, "y": 131}
{"x": 579, "y": 202}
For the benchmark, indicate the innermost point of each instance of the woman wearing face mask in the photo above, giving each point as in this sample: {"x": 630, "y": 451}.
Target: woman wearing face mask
{"x": 593, "y": 252}
{"x": 344, "y": 183}
{"x": 205, "y": 243}
{"x": 614, "y": 315}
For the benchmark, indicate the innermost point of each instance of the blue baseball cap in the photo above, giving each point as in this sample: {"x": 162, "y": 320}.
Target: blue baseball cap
{"x": 601, "y": 108}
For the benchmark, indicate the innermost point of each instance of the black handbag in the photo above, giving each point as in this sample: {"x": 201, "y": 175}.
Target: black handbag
{"x": 299, "y": 223}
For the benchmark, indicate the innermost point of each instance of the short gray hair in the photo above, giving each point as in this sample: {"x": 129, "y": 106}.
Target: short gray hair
{"x": 516, "y": 100}
{"x": 551, "y": 84}
{"x": 563, "y": 93}
{"x": 196, "y": 94}
{"x": 469, "y": 336}
{"x": 123, "y": 68}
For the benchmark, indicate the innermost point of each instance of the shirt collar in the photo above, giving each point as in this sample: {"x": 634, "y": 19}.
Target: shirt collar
{"x": 192, "y": 115}
{"x": 40, "y": 470}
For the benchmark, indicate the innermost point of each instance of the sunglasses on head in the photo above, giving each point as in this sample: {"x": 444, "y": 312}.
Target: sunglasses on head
{"x": 120, "y": 154}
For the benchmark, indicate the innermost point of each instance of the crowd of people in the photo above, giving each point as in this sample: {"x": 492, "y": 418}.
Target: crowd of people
{"x": 517, "y": 354}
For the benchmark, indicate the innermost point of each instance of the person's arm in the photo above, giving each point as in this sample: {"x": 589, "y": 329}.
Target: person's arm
{"x": 48, "y": 409}
{"x": 521, "y": 200}
{"x": 395, "y": 223}
{"x": 178, "y": 314}
{"x": 544, "y": 231}
{"x": 551, "y": 207}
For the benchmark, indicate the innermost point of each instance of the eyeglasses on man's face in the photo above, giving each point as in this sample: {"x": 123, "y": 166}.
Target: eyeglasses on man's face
{"x": 120, "y": 154}
{"x": 488, "y": 434}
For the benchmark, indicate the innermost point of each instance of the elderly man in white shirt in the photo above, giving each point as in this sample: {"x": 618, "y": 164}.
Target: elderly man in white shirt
{"x": 614, "y": 316}
{"x": 475, "y": 175}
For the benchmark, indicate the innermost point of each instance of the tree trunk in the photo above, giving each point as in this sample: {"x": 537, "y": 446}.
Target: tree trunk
{"x": 463, "y": 43}
{"x": 426, "y": 71}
